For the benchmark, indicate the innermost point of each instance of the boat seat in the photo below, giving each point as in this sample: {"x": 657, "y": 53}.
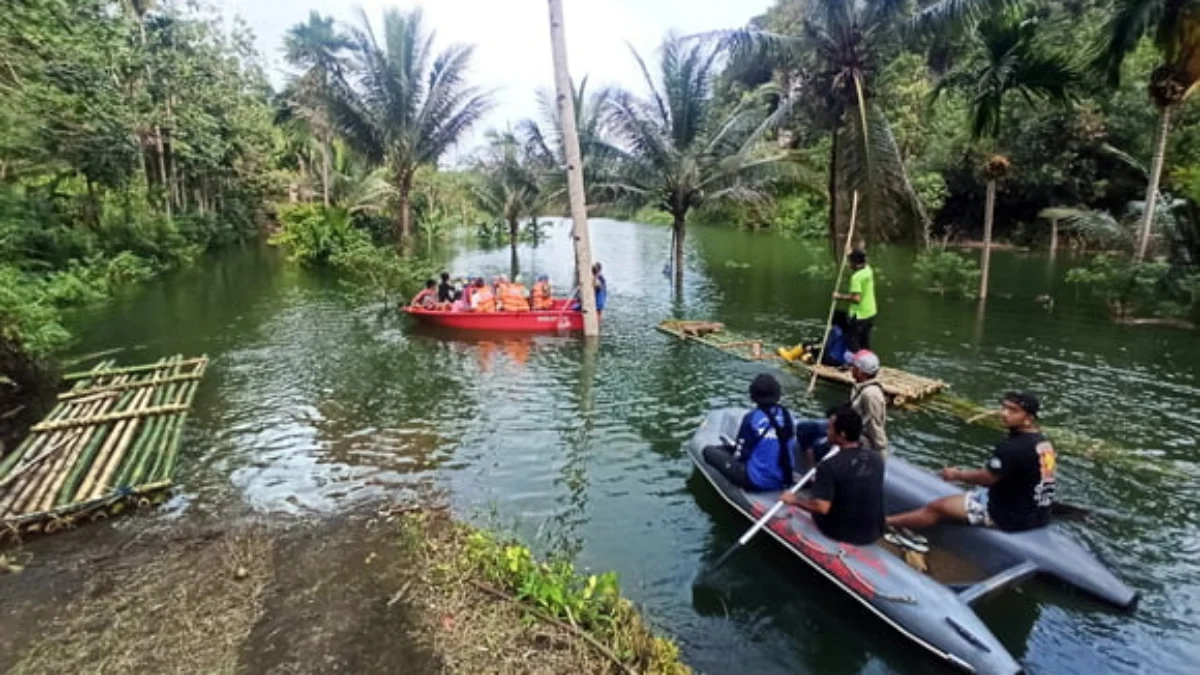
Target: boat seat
{"x": 971, "y": 593}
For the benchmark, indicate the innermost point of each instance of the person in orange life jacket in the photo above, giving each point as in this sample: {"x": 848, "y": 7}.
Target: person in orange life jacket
{"x": 514, "y": 298}
{"x": 540, "y": 297}
{"x": 482, "y": 298}
{"x": 761, "y": 460}
{"x": 499, "y": 284}
{"x": 427, "y": 298}
{"x": 846, "y": 499}
{"x": 1016, "y": 486}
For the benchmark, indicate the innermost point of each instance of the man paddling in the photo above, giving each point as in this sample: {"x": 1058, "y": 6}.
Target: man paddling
{"x": 862, "y": 301}
{"x": 1016, "y": 486}
{"x": 847, "y": 493}
{"x": 762, "y": 457}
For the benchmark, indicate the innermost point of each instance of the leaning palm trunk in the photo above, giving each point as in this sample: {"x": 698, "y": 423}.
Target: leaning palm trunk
{"x": 987, "y": 238}
{"x": 404, "y": 218}
{"x": 575, "y": 190}
{"x": 1160, "y": 150}
{"x": 678, "y": 230}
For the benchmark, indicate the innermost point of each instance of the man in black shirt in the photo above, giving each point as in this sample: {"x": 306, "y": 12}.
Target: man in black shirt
{"x": 847, "y": 494}
{"x": 1016, "y": 485}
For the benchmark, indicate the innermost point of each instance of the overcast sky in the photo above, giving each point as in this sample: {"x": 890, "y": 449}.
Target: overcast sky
{"x": 512, "y": 37}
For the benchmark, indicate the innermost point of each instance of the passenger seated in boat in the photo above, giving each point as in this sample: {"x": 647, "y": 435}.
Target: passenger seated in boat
{"x": 427, "y": 298}
{"x": 541, "y": 298}
{"x": 847, "y": 494}
{"x": 866, "y": 398}
{"x": 482, "y": 298}
{"x": 513, "y": 298}
{"x": 446, "y": 291}
{"x": 761, "y": 459}
{"x": 1016, "y": 486}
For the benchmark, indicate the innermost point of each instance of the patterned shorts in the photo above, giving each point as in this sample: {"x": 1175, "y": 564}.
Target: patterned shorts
{"x": 975, "y": 503}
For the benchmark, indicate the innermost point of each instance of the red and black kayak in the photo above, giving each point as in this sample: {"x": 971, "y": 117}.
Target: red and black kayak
{"x": 933, "y": 615}
{"x": 558, "y": 318}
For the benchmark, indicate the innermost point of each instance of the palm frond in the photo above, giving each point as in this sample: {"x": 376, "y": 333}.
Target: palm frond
{"x": 1128, "y": 22}
{"x": 945, "y": 15}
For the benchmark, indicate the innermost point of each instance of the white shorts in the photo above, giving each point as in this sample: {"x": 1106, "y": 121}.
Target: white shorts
{"x": 975, "y": 503}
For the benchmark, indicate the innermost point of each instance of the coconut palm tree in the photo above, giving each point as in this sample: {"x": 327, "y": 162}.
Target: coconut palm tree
{"x": 401, "y": 105}
{"x": 677, "y": 151}
{"x": 1174, "y": 27}
{"x": 545, "y": 148}
{"x": 509, "y": 187}
{"x": 317, "y": 46}
{"x": 831, "y": 63}
{"x": 1008, "y": 59}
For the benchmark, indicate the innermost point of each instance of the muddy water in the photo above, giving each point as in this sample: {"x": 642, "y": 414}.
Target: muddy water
{"x": 312, "y": 405}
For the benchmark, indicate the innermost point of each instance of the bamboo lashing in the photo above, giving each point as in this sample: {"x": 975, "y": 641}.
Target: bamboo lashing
{"x": 812, "y": 381}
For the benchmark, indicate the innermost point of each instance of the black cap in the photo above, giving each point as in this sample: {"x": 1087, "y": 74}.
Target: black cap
{"x": 1023, "y": 400}
{"x": 764, "y": 390}
{"x": 858, "y": 256}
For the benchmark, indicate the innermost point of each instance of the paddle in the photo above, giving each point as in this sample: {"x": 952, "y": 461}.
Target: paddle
{"x": 762, "y": 522}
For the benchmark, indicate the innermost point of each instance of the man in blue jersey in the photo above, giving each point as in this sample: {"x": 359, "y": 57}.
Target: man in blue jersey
{"x": 761, "y": 459}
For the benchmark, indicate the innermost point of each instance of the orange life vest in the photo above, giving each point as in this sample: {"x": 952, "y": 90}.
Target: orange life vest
{"x": 541, "y": 296}
{"x": 512, "y": 298}
{"x": 483, "y": 300}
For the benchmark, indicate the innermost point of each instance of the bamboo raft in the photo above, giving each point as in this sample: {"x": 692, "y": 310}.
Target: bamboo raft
{"x": 113, "y": 438}
{"x": 901, "y": 387}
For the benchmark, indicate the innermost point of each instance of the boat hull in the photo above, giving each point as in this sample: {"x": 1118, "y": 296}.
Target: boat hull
{"x": 916, "y": 606}
{"x": 556, "y": 319}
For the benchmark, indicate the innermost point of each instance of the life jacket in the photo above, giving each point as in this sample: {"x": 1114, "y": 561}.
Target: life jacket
{"x": 780, "y": 443}
{"x": 484, "y": 300}
{"x": 541, "y": 296}
{"x": 512, "y": 299}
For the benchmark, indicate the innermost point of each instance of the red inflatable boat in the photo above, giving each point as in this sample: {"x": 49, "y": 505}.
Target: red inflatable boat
{"x": 558, "y": 318}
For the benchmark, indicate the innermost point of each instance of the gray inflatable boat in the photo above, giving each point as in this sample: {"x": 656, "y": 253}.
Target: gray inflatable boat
{"x": 935, "y": 616}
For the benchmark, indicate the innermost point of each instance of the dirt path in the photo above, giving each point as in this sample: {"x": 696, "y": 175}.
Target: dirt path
{"x": 349, "y": 595}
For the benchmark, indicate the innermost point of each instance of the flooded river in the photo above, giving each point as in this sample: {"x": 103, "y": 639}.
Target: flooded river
{"x": 312, "y": 405}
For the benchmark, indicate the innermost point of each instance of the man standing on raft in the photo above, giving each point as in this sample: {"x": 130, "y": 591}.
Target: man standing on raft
{"x": 862, "y": 302}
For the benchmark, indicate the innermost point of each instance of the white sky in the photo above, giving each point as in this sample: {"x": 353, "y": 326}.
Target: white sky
{"x": 512, "y": 37}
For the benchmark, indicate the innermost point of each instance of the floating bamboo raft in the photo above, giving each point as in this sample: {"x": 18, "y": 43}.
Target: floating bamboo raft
{"x": 112, "y": 438}
{"x": 901, "y": 387}
{"x": 906, "y": 391}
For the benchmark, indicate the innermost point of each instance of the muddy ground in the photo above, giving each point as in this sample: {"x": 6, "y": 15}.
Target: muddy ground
{"x": 346, "y": 595}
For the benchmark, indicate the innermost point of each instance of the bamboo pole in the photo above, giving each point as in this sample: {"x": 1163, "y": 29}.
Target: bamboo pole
{"x": 62, "y": 468}
{"x": 129, "y": 385}
{"x": 42, "y": 447}
{"x": 133, "y": 413}
{"x": 105, "y": 454}
{"x": 812, "y": 381}
{"x": 145, "y": 442}
{"x": 174, "y": 440}
{"x": 123, "y": 439}
{"x": 136, "y": 369}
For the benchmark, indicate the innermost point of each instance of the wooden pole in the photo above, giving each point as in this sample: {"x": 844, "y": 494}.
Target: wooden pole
{"x": 173, "y": 441}
{"x": 66, "y": 396}
{"x": 57, "y": 470}
{"x": 134, "y": 369}
{"x": 123, "y": 440}
{"x": 812, "y": 381}
{"x": 147, "y": 442}
{"x": 113, "y": 445}
{"x": 570, "y": 137}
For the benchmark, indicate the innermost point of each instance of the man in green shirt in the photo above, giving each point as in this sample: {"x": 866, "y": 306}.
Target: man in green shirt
{"x": 862, "y": 302}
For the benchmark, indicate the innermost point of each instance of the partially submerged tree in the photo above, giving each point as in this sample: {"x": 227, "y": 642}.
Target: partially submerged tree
{"x": 399, "y": 104}
{"x": 508, "y": 189}
{"x": 1008, "y": 59}
{"x": 1174, "y": 26}
{"x": 678, "y": 151}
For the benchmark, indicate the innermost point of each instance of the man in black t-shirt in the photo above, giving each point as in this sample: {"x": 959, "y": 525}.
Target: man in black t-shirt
{"x": 847, "y": 494}
{"x": 446, "y": 290}
{"x": 1016, "y": 485}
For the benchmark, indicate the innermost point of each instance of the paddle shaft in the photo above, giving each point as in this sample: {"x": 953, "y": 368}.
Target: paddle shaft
{"x": 812, "y": 381}
{"x": 762, "y": 522}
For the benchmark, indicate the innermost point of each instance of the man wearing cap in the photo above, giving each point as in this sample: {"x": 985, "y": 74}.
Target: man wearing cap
{"x": 868, "y": 400}
{"x": 761, "y": 460}
{"x": 862, "y": 301}
{"x": 1016, "y": 485}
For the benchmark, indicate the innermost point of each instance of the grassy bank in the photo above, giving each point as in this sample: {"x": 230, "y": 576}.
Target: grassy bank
{"x": 360, "y": 594}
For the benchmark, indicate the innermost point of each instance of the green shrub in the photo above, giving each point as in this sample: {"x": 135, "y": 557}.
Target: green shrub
{"x": 1132, "y": 290}
{"x": 942, "y": 271}
{"x": 652, "y": 216}
{"x": 313, "y": 234}
{"x": 800, "y": 217}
